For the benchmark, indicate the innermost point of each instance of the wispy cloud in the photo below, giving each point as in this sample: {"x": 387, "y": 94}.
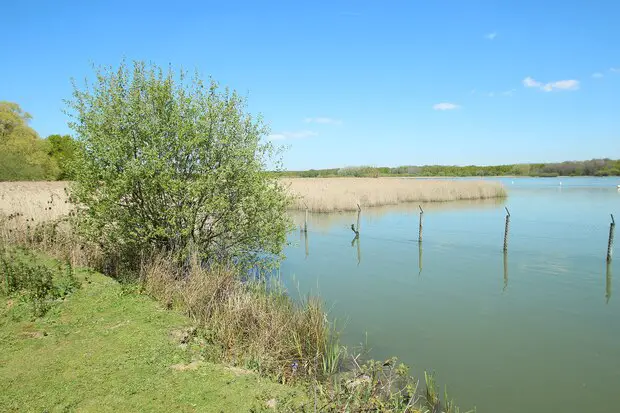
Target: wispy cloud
{"x": 292, "y": 135}
{"x": 614, "y": 69}
{"x": 509, "y": 92}
{"x": 529, "y": 82}
{"x": 324, "y": 121}
{"x": 597, "y": 75}
{"x": 445, "y": 106}
{"x": 570, "y": 84}
{"x": 490, "y": 36}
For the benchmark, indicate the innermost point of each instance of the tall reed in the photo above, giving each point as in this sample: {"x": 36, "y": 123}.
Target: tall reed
{"x": 344, "y": 194}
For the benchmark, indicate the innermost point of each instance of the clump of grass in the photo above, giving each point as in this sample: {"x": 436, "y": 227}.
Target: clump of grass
{"x": 252, "y": 323}
{"x": 23, "y": 276}
{"x": 344, "y": 194}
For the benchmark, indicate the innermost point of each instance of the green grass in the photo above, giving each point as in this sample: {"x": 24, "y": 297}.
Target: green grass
{"x": 104, "y": 348}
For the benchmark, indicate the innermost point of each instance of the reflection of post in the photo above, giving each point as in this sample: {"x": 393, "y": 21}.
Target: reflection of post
{"x": 306, "y": 242}
{"x": 354, "y": 241}
{"x": 420, "y": 231}
{"x": 608, "y": 283}
{"x": 359, "y": 252}
{"x": 420, "y": 258}
{"x": 506, "y": 230}
{"x": 610, "y": 243}
{"x": 505, "y": 270}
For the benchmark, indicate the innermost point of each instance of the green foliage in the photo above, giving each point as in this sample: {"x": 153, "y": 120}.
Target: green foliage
{"x": 169, "y": 163}
{"x": 38, "y": 284}
{"x": 62, "y": 150}
{"x": 594, "y": 167}
{"x": 23, "y": 155}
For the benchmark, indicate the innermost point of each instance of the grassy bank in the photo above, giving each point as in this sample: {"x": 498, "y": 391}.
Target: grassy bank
{"x": 199, "y": 338}
{"x": 108, "y": 348}
{"x": 343, "y": 194}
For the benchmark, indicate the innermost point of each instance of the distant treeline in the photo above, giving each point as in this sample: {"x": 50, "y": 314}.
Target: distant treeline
{"x": 24, "y": 156}
{"x": 594, "y": 167}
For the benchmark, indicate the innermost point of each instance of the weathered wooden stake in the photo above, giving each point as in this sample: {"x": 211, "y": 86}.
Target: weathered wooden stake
{"x": 506, "y": 230}
{"x": 357, "y": 231}
{"x": 420, "y": 230}
{"x": 306, "y": 221}
{"x": 610, "y": 243}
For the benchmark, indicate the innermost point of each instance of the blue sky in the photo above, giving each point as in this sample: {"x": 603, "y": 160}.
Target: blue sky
{"x": 353, "y": 82}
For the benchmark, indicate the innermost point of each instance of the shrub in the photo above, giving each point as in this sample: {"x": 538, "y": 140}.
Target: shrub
{"x": 20, "y": 274}
{"x": 171, "y": 164}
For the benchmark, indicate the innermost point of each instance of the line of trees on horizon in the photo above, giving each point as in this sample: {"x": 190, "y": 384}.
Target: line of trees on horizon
{"x": 25, "y": 156}
{"x": 593, "y": 167}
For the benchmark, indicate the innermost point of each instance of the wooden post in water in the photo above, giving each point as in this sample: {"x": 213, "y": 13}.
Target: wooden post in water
{"x": 306, "y": 221}
{"x": 506, "y": 230}
{"x": 610, "y": 243}
{"x": 420, "y": 229}
{"x": 357, "y": 230}
{"x": 305, "y": 228}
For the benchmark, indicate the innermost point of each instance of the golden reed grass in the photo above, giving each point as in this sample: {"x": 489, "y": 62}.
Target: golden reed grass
{"x": 49, "y": 200}
{"x": 344, "y": 194}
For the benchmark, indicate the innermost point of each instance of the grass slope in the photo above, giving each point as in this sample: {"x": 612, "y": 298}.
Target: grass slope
{"x": 106, "y": 349}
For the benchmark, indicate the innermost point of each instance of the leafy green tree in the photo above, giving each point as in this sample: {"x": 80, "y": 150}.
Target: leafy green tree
{"x": 174, "y": 164}
{"x": 62, "y": 150}
{"x": 23, "y": 155}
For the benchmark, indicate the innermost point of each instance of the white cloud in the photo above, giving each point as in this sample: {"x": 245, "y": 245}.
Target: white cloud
{"x": 324, "y": 121}
{"x": 562, "y": 85}
{"x": 491, "y": 94}
{"x": 614, "y": 69}
{"x": 597, "y": 75}
{"x": 491, "y": 36}
{"x": 509, "y": 92}
{"x": 529, "y": 82}
{"x": 570, "y": 84}
{"x": 445, "y": 106}
{"x": 292, "y": 135}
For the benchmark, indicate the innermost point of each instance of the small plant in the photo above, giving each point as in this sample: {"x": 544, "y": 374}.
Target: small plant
{"x": 36, "y": 283}
{"x": 431, "y": 395}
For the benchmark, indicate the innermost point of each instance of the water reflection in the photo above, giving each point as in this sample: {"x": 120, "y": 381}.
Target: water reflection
{"x": 505, "y": 271}
{"x": 306, "y": 242}
{"x": 608, "y": 283}
{"x": 419, "y": 259}
{"x": 356, "y": 241}
{"x": 324, "y": 222}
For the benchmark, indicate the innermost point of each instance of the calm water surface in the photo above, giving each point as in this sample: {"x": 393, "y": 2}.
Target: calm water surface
{"x": 538, "y": 331}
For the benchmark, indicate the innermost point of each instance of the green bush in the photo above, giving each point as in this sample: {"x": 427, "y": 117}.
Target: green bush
{"x": 171, "y": 164}
{"x": 38, "y": 284}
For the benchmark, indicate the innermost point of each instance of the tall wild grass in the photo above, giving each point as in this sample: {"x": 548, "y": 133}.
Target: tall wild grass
{"x": 344, "y": 194}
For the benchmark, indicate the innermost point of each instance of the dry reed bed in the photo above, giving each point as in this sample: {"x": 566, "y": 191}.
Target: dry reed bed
{"x": 49, "y": 200}
{"x": 40, "y": 200}
{"x": 343, "y": 194}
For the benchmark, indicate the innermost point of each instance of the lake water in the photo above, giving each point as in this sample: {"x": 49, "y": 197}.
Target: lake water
{"x": 538, "y": 331}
